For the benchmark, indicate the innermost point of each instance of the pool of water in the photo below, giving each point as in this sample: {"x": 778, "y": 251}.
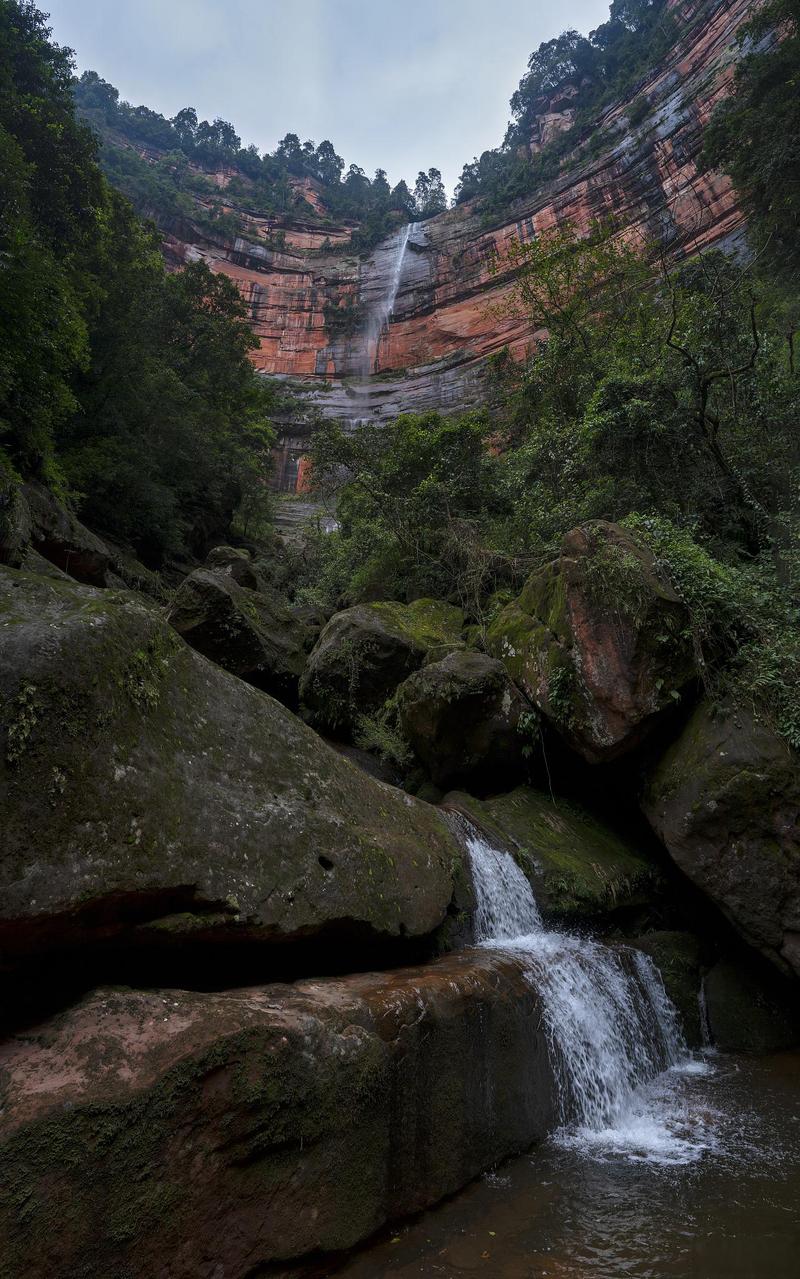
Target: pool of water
{"x": 699, "y": 1180}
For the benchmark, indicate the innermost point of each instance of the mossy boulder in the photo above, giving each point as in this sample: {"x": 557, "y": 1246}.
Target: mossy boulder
{"x": 183, "y": 1134}
{"x": 15, "y": 521}
{"x": 677, "y": 956}
{"x": 462, "y": 717}
{"x": 61, "y": 538}
{"x": 581, "y": 871}
{"x": 140, "y": 781}
{"x": 39, "y": 534}
{"x": 598, "y": 640}
{"x": 750, "y": 1010}
{"x": 725, "y": 800}
{"x": 365, "y": 652}
{"x": 228, "y": 615}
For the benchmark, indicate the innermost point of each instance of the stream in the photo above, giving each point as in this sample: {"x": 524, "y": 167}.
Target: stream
{"x": 666, "y": 1164}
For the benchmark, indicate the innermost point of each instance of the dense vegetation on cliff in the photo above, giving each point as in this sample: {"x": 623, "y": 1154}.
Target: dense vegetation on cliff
{"x": 163, "y": 166}
{"x": 670, "y": 405}
{"x": 576, "y": 76}
{"x": 125, "y": 389}
{"x": 755, "y": 134}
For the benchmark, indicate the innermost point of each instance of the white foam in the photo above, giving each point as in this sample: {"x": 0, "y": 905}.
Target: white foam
{"x": 611, "y": 1027}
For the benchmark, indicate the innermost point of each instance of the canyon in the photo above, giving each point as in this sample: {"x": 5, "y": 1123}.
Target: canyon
{"x": 445, "y": 278}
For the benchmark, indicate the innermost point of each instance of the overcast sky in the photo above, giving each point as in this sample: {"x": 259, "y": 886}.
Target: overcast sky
{"x": 400, "y": 86}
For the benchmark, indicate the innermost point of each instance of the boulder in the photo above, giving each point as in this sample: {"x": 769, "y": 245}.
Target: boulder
{"x": 676, "y": 955}
{"x": 725, "y": 800}
{"x": 598, "y": 640}
{"x": 175, "y": 1134}
{"x": 60, "y": 538}
{"x": 221, "y": 612}
{"x": 580, "y": 871}
{"x": 38, "y": 533}
{"x": 365, "y": 652}
{"x": 236, "y": 564}
{"x": 139, "y": 782}
{"x": 462, "y": 718}
{"x": 749, "y": 1010}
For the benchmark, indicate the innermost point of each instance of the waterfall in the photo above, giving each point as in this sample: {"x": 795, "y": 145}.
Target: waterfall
{"x": 610, "y": 1026}
{"x": 388, "y": 266}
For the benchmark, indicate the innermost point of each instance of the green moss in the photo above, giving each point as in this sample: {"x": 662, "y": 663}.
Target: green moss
{"x": 577, "y": 866}
{"x": 428, "y": 624}
{"x": 26, "y": 712}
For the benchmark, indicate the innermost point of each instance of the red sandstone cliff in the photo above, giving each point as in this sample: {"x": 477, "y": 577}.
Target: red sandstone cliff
{"x": 646, "y": 177}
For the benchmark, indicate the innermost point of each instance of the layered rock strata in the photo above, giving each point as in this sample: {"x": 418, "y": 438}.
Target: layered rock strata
{"x": 177, "y": 1135}
{"x": 446, "y": 314}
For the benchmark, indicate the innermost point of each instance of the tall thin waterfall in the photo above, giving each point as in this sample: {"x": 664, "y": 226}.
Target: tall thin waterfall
{"x": 610, "y": 1025}
{"x": 388, "y": 267}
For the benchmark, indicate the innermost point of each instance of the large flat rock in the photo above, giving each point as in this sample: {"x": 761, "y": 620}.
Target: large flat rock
{"x": 176, "y": 1135}
{"x": 139, "y": 782}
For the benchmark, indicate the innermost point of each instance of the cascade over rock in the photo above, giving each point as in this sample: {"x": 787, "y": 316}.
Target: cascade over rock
{"x": 581, "y": 872}
{"x": 142, "y": 787}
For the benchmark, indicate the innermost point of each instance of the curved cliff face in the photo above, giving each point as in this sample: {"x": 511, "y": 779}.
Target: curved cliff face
{"x": 314, "y": 307}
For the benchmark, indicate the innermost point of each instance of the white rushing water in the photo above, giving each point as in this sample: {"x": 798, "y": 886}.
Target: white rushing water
{"x": 387, "y": 265}
{"x": 615, "y": 1042}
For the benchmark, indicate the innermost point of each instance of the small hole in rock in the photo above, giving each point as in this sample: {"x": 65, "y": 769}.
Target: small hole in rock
{"x": 326, "y": 863}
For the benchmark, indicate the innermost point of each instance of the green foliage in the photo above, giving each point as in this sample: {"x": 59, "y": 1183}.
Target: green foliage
{"x": 571, "y": 72}
{"x": 415, "y": 498}
{"x": 128, "y": 389}
{"x": 161, "y": 166}
{"x": 755, "y": 134}
{"x": 744, "y": 621}
{"x": 668, "y": 393}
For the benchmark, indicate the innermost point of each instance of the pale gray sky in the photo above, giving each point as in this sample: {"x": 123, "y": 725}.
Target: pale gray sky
{"x": 403, "y": 86}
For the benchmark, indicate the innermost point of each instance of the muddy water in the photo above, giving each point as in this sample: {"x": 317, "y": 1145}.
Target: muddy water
{"x": 702, "y": 1182}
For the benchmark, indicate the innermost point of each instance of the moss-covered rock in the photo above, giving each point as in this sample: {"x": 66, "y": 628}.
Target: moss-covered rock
{"x": 228, "y": 615}
{"x": 61, "y": 538}
{"x": 725, "y": 799}
{"x": 676, "y": 955}
{"x": 181, "y": 1134}
{"x": 598, "y": 640}
{"x": 462, "y": 717}
{"x": 580, "y": 871}
{"x": 15, "y": 520}
{"x": 749, "y": 1010}
{"x": 138, "y": 780}
{"x": 365, "y": 652}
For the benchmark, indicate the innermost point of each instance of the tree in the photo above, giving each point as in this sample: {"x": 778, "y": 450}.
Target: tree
{"x": 429, "y": 194}
{"x": 185, "y": 125}
{"x": 755, "y": 134}
{"x": 328, "y": 164}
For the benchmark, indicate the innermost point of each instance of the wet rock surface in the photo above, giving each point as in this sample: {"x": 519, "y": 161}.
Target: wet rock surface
{"x": 725, "y": 800}
{"x": 580, "y": 870}
{"x": 184, "y": 1135}
{"x": 750, "y": 1009}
